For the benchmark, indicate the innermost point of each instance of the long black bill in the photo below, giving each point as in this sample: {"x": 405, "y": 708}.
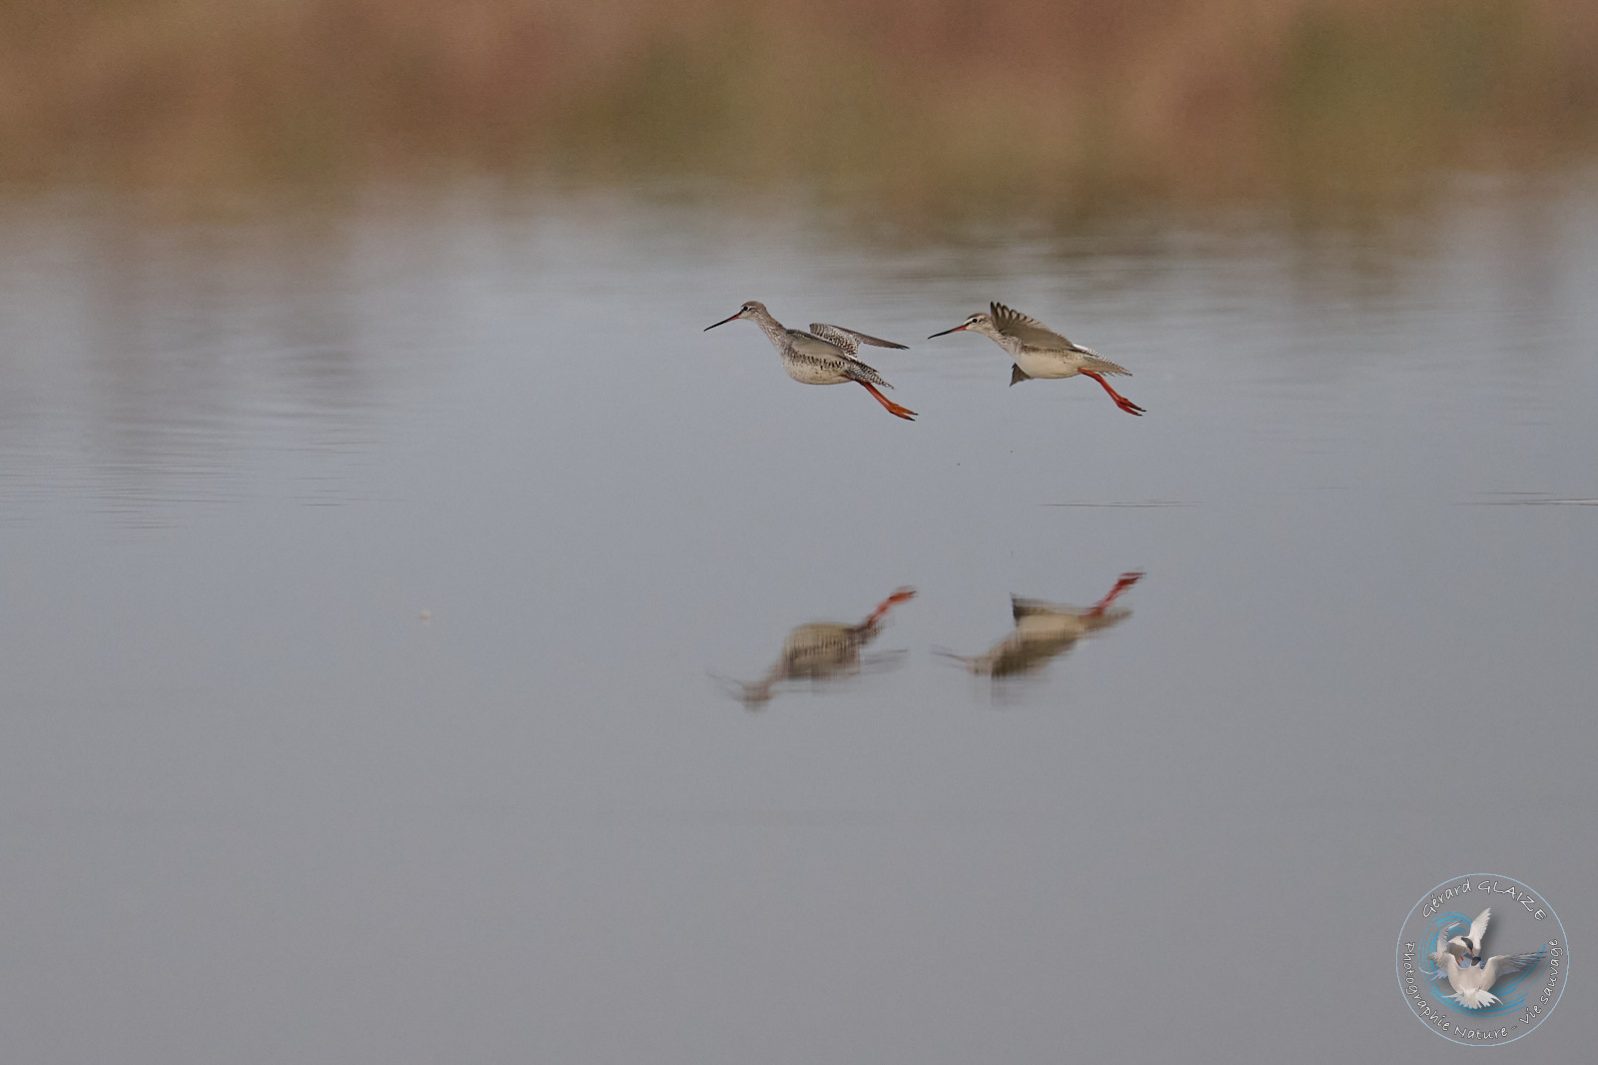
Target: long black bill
{"x": 724, "y": 321}
{"x": 946, "y": 332}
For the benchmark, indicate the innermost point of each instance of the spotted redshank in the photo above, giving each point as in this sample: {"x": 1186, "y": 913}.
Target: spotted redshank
{"x": 823, "y": 356}
{"x": 1039, "y": 351}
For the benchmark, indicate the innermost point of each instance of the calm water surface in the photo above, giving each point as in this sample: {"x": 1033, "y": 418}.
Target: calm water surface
{"x": 381, "y": 578}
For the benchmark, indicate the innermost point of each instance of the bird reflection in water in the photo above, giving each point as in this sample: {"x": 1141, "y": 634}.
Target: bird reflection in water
{"x": 822, "y": 651}
{"x": 1046, "y": 630}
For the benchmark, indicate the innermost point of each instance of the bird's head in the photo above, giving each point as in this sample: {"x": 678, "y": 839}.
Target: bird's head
{"x": 751, "y": 309}
{"x": 977, "y": 323}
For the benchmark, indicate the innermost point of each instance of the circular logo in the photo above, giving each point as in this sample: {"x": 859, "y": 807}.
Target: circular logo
{"x": 1482, "y": 959}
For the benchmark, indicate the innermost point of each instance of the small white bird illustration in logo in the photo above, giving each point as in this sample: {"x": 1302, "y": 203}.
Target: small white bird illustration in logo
{"x": 1459, "y": 961}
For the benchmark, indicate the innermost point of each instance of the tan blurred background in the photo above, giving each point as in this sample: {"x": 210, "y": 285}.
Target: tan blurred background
{"x": 925, "y": 103}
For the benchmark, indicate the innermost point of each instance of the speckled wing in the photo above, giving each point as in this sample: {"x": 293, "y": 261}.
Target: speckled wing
{"x": 849, "y": 339}
{"x": 1029, "y": 331}
{"x": 816, "y": 346}
{"x": 861, "y": 372}
{"x": 811, "y": 347}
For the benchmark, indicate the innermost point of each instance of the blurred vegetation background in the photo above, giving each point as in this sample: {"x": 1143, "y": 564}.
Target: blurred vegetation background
{"x": 912, "y": 103}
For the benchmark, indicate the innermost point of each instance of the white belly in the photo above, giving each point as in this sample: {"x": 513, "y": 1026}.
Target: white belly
{"x": 810, "y": 373}
{"x": 1046, "y": 364}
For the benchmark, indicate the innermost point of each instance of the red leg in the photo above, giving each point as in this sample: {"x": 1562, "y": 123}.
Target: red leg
{"x": 886, "y": 605}
{"x": 1125, "y": 581}
{"x": 1120, "y": 400}
{"x": 889, "y": 405}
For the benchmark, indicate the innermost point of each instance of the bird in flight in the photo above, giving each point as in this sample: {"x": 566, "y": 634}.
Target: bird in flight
{"x": 823, "y": 356}
{"x": 1039, "y": 351}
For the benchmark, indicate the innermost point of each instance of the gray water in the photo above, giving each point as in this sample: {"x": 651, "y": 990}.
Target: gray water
{"x": 377, "y": 571}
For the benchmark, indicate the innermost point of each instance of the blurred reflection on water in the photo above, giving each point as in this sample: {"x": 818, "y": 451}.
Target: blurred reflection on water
{"x": 1044, "y": 631}
{"x": 824, "y": 651}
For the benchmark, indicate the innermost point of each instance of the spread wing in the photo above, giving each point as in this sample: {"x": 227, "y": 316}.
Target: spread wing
{"x": 849, "y": 339}
{"x": 811, "y": 344}
{"x": 1012, "y": 323}
{"x": 1501, "y": 965}
{"x": 1478, "y": 927}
